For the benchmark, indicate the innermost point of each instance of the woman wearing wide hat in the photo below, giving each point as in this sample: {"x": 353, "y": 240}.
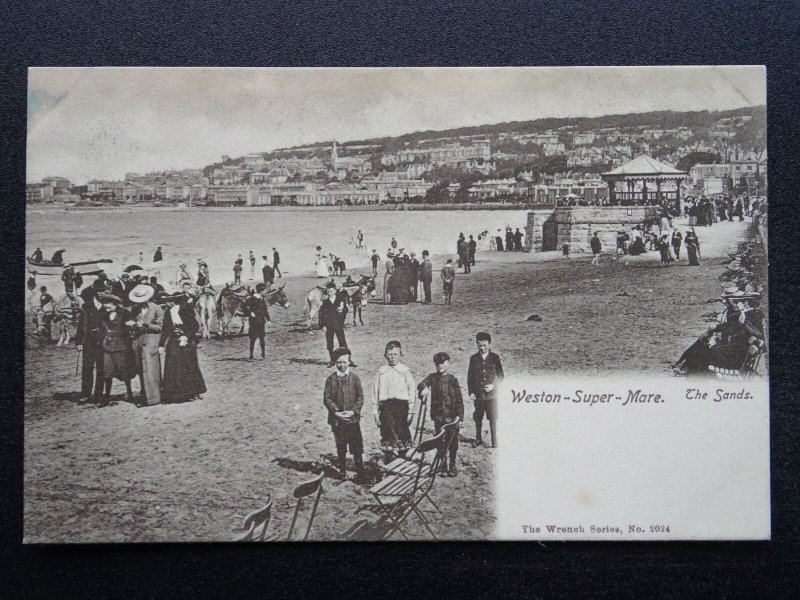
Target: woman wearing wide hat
{"x": 146, "y": 323}
{"x": 182, "y": 379}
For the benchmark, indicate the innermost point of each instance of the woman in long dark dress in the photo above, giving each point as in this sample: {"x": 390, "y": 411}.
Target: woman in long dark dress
{"x": 182, "y": 379}
{"x": 692, "y": 248}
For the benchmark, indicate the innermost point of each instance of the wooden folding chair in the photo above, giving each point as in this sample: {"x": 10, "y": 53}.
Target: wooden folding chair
{"x": 304, "y": 490}
{"x": 255, "y": 520}
{"x": 411, "y": 480}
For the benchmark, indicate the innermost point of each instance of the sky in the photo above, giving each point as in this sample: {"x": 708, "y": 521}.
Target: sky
{"x": 100, "y": 123}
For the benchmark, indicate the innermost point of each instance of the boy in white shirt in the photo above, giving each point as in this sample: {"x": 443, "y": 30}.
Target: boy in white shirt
{"x": 393, "y": 398}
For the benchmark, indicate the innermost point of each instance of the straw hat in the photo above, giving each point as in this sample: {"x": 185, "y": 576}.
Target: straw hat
{"x": 141, "y": 294}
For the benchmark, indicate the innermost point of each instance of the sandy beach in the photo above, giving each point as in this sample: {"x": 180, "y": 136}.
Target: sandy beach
{"x": 192, "y": 471}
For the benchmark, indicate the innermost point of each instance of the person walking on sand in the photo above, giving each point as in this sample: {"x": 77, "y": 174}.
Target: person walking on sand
{"x": 237, "y": 273}
{"x": 484, "y": 377}
{"x": 518, "y": 239}
{"x": 426, "y": 276}
{"x": 182, "y": 378}
{"x": 258, "y": 315}
{"x": 375, "y": 258}
{"x": 343, "y": 396}
{"x": 448, "y": 278}
{"x": 252, "y": 259}
{"x": 677, "y": 239}
{"x": 472, "y": 247}
{"x": 276, "y": 261}
{"x": 332, "y": 315}
{"x": 692, "y": 248}
{"x": 158, "y": 256}
{"x": 393, "y": 398}
{"x": 596, "y": 246}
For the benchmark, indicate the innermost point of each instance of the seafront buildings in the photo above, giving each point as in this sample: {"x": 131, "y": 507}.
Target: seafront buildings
{"x": 536, "y": 167}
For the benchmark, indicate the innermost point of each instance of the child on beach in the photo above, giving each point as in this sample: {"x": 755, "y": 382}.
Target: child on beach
{"x": 448, "y": 277}
{"x": 393, "y": 398}
{"x": 442, "y": 391}
{"x": 344, "y": 397}
{"x": 375, "y": 260}
{"x": 484, "y": 377}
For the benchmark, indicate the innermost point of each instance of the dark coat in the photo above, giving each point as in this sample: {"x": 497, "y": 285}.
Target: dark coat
{"x": 343, "y": 393}
{"x": 329, "y": 315}
{"x": 446, "y": 400}
{"x": 258, "y": 314}
{"x": 426, "y": 271}
{"x": 88, "y": 333}
{"x": 482, "y": 373}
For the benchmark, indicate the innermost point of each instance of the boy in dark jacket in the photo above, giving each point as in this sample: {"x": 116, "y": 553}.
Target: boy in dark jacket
{"x": 483, "y": 380}
{"x": 344, "y": 397}
{"x": 443, "y": 392}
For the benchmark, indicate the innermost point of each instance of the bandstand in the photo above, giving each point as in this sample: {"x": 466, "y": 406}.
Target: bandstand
{"x": 644, "y": 181}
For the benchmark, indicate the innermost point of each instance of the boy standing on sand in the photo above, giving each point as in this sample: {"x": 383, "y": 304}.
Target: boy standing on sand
{"x": 393, "y": 398}
{"x": 344, "y": 397}
{"x": 446, "y": 403}
{"x": 375, "y": 260}
{"x": 484, "y": 377}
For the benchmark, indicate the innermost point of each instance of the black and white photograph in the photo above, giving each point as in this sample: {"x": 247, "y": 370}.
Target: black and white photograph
{"x": 269, "y": 304}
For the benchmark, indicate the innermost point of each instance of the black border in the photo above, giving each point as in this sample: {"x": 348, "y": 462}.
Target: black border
{"x": 387, "y": 33}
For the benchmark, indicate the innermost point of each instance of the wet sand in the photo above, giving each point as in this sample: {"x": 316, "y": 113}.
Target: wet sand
{"x": 192, "y": 471}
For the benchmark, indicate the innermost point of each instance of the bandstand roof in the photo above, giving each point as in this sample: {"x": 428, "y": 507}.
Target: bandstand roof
{"x": 645, "y": 166}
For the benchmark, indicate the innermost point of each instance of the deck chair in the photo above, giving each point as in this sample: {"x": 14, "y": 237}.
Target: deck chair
{"x": 410, "y": 481}
{"x": 305, "y": 490}
{"x": 755, "y": 350}
{"x": 255, "y": 520}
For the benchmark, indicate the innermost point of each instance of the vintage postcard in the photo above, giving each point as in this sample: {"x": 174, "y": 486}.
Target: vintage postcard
{"x": 404, "y": 303}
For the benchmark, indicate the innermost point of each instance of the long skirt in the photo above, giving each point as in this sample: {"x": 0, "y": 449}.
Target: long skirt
{"x": 182, "y": 376}
{"x": 150, "y": 372}
{"x": 322, "y": 268}
{"x": 692, "y": 253}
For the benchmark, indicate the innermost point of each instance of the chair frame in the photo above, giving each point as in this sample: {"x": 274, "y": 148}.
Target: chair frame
{"x": 406, "y": 487}
{"x": 256, "y": 519}
{"x": 303, "y": 491}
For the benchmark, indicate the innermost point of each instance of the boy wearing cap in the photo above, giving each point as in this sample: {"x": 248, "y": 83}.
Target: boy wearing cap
{"x": 343, "y": 397}
{"x": 443, "y": 392}
{"x": 258, "y": 315}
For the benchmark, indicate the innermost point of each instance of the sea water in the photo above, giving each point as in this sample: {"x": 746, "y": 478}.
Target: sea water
{"x": 218, "y": 236}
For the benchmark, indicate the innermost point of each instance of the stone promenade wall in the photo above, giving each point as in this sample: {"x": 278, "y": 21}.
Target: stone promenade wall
{"x": 548, "y": 230}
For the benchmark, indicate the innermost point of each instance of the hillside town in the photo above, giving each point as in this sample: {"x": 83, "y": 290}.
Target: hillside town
{"x": 531, "y": 165}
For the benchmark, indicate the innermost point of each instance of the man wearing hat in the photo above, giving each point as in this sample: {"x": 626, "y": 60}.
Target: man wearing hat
{"x": 146, "y": 322}
{"x": 343, "y": 397}
{"x": 332, "y": 313}
{"x": 258, "y": 315}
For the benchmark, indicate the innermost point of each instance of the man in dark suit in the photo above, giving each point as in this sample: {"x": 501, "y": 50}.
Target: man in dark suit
{"x": 484, "y": 377}
{"x": 89, "y": 340}
{"x": 414, "y": 275}
{"x": 332, "y": 313}
{"x": 258, "y": 315}
{"x": 426, "y": 276}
